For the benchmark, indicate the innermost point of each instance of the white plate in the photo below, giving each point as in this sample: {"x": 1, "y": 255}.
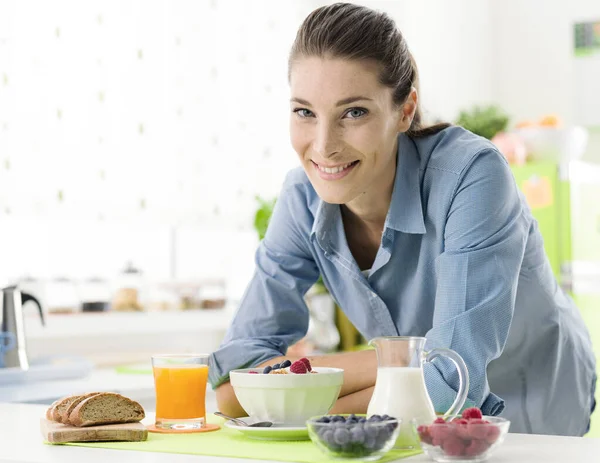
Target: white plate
{"x": 276, "y": 432}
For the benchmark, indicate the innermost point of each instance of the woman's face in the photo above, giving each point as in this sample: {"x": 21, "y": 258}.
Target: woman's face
{"x": 344, "y": 126}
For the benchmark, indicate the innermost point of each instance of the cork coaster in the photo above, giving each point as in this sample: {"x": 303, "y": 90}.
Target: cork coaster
{"x": 207, "y": 428}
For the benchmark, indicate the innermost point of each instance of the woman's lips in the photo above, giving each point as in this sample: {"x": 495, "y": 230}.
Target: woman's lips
{"x": 335, "y": 173}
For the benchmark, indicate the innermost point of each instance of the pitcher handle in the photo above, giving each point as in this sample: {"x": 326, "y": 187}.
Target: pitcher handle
{"x": 463, "y": 378}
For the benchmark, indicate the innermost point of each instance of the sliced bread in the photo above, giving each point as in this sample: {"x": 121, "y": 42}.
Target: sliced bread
{"x": 50, "y": 411}
{"x": 106, "y": 408}
{"x": 62, "y": 414}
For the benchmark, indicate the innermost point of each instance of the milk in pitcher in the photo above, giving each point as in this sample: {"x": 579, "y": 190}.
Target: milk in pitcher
{"x": 401, "y": 392}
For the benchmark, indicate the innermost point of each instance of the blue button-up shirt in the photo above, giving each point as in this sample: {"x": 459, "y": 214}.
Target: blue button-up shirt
{"x": 461, "y": 262}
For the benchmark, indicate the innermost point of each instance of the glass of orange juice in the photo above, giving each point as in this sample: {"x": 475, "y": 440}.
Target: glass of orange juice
{"x": 180, "y": 385}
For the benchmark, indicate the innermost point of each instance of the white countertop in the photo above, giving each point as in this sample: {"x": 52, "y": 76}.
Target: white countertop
{"x": 21, "y": 441}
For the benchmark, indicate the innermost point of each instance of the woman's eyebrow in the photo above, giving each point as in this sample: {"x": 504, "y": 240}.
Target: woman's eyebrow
{"x": 343, "y": 102}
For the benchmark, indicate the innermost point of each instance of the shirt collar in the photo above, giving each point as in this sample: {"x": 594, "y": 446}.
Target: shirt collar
{"x": 406, "y": 209}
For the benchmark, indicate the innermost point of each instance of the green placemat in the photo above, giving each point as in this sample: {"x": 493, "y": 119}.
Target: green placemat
{"x": 230, "y": 443}
{"x": 135, "y": 369}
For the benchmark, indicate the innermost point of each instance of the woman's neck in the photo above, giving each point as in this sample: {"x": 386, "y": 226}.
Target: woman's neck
{"x": 370, "y": 209}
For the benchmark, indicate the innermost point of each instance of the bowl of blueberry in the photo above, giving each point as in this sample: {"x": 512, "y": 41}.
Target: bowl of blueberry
{"x": 287, "y": 393}
{"x": 354, "y": 436}
{"x": 471, "y": 437}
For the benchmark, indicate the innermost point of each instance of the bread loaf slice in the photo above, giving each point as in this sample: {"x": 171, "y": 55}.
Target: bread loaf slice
{"x": 106, "y": 408}
{"x": 50, "y": 411}
{"x": 62, "y": 414}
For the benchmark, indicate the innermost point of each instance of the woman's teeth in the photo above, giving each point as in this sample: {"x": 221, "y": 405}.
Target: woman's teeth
{"x": 334, "y": 170}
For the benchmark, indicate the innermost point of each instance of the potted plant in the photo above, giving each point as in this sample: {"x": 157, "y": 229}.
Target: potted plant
{"x": 486, "y": 121}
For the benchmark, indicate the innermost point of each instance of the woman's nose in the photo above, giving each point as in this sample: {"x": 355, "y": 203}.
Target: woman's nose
{"x": 326, "y": 142}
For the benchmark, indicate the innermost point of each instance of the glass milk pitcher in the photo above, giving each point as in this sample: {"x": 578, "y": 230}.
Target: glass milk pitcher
{"x": 400, "y": 385}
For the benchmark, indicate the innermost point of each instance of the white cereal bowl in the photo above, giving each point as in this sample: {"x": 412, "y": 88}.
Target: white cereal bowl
{"x": 287, "y": 399}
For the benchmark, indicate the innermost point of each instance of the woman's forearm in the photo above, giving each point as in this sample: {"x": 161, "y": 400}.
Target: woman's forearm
{"x": 357, "y": 402}
{"x": 360, "y": 368}
{"x": 360, "y": 371}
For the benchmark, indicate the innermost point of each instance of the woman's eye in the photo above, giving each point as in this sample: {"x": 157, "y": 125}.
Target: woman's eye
{"x": 355, "y": 113}
{"x": 303, "y": 112}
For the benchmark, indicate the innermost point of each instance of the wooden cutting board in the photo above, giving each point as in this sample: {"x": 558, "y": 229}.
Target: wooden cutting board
{"x": 59, "y": 433}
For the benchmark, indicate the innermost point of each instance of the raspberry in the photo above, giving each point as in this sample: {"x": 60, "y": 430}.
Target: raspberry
{"x": 439, "y": 432}
{"x": 460, "y": 428}
{"x": 454, "y": 447}
{"x": 472, "y": 412}
{"x": 298, "y": 367}
{"x": 439, "y": 420}
{"x": 477, "y": 429}
{"x": 306, "y": 363}
{"x": 476, "y": 447}
{"x": 424, "y": 434}
{"x": 493, "y": 432}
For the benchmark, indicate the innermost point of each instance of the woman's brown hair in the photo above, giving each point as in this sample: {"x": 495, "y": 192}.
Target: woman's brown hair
{"x": 354, "y": 32}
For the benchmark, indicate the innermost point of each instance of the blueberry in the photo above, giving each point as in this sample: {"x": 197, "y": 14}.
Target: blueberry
{"x": 276, "y": 366}
{"x": 370, "y": 442}
{"x": 357, "y": 434}
{"x": 341, "y": 436}
{"x": 385, "y": 417}
{"x": 267, "y": 369}
{"x": 324, "y": 419}
{"x": 382, "y": 438}
{"x": 286, "y": 363}
{"x": 362, "y": 420}
{"x": 374, "y": 419}
{"x": 327, "y": 436}
{"x": 371, "y": 431}
{"x": 338, "y": 418}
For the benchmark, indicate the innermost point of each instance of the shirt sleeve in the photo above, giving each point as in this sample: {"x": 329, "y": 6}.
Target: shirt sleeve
{"x": 272, "y": 314}
{"x": 477, "y": 276}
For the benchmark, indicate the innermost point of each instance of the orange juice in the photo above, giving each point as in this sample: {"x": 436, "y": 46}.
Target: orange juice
{"x": 180, "y": 392}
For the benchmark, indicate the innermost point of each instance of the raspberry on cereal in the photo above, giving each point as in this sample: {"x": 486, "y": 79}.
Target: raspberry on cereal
{"x": 298, "y": 367}
{"x": 306, "y": 363}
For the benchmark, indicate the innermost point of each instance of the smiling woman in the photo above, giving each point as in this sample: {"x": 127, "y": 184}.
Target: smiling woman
{"x": 417, "y": 231}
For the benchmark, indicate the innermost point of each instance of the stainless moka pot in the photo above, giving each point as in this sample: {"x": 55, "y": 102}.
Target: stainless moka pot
{"x": 13, "y": 352}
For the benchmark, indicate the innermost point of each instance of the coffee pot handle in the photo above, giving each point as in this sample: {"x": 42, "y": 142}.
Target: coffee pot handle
{"x": 28, "y": 297}
{"x": 463, "y": 378}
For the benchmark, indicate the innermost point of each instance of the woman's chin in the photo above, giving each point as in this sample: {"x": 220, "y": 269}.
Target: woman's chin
{"x": 331, "y": 196}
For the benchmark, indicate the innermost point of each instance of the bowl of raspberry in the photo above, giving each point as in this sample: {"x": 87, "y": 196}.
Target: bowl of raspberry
{"x": 471, "y": 437}
{"x": 288, "y": 393}
{"x": 354, "y": 437}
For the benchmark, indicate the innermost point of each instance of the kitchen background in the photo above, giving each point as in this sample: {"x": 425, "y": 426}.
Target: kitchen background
{"x": 143, "y": 142}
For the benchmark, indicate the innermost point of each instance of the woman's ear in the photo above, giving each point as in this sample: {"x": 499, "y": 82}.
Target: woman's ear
{"x": 408, "y": 110}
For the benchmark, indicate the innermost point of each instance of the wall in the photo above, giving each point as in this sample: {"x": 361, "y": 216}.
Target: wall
{"x": 120, "y": 121}
{"x": 143, "y": 130}
{"x": 535, "y": 72}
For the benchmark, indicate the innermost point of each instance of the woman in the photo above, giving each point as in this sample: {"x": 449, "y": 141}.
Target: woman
{"x": 417, "y": 231}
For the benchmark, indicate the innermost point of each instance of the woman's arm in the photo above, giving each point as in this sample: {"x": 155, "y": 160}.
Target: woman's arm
{"x": 360, "y": 370}
{"x": 477, "y": 278}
